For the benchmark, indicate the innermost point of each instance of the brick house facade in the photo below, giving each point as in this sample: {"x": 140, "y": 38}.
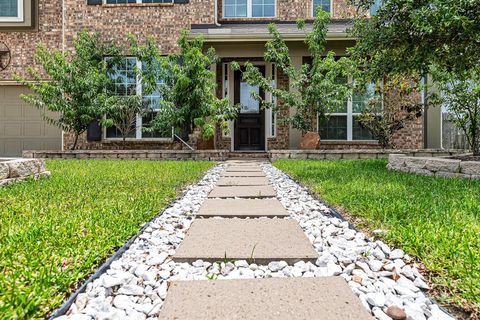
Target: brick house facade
{"x": 235, "y": 38}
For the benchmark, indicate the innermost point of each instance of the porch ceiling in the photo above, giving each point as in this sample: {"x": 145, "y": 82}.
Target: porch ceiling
{"x": 259, "y": 32}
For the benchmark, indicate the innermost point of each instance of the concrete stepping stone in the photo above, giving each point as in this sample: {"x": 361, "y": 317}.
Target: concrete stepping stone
{"x": 243, "y": 192}
{"x": 243, "y": 181}
{"x": 261, "y": 240}
{"x": 242, "y": 208}
{"x": 326, "y": 298}
{"x": 244, "y": 169}
{"x": 243, "y": 174}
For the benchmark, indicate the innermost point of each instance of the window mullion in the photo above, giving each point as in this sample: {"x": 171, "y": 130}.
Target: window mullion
{"x": 249, "y": 8}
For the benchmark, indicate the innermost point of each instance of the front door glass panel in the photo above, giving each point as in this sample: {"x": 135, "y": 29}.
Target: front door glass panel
{"x": 247, "y": 102}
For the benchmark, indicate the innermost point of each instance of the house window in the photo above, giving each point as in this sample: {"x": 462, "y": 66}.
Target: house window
{"x": 125, "y": 83}
{"x": 136, "y": 1}
{"x": 249, "y": 8}
{"x": 11, "y": 10}
{"x": 326, "y": 5}
{"x": 343, "y": 123}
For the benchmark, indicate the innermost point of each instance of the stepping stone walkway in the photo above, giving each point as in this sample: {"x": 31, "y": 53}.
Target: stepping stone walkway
{"x": 242, "y": 208}
{"x": 327, "y": 298}
{"x": 257, "y": 240}
{"x": 255, "y": 192}
{"x": 216, "y": 217}
{"x": 243, "y": 181}
{"x": 260, "y": 241}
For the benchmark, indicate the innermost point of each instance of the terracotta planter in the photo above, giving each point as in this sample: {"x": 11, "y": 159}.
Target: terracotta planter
{"x": 310, "y": 141}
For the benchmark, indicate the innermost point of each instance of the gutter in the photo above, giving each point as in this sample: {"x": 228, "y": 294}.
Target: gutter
{"x": 213, "y": 35}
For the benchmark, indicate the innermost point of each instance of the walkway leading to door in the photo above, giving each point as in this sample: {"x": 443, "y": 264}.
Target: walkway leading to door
{"x": 248, "y": 242}
{"x": 265, "y": 240}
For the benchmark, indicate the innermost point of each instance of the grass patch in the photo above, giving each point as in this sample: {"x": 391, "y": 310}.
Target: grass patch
{"x": 55, "y": 232}
{"x": 434, "y": 219}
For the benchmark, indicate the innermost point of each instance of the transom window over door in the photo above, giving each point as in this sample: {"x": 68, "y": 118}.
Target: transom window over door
{"x": 249, "y": 8}
{"x": 326, "y": 5}
{"x": 11, "y": 10}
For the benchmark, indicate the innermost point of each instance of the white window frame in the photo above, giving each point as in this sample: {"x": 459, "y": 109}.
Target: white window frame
{"x": 350, "y": 115}
{"x": 139, "y": 120}
{"x": 19, "y": 17}
{"x": 312, "y": 11}
{"x": 271, "y": 114}
{"x": 249, "y": 12}
{"x": 226, "y": 75}
{"x": 136, "y": 2}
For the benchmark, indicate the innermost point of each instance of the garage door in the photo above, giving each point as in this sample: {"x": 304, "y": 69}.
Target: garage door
{"x": 22, "y": 126}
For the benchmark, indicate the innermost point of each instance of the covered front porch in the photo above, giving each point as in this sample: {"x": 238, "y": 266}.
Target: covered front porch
{"x": 256, "y": 129}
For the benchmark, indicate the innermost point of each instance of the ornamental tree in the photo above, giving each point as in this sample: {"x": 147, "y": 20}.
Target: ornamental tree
{"x": 415, "y": 38}
{"x": 74, "y": 85}
{"x": 316, "y": 88}
{"x": 187, "y": 88}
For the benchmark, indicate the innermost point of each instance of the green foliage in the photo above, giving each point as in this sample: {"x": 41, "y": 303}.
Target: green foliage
{"x": 74, "y": 87}
{"x": 317, "y": 88}
{"x": 188, "y": 88}
{"x": 434, "y": 219}
{"x": 412, "y": 38}
{"x": 460, "y": 91}
{"x": 55, "y": 232}
{"x": 122, "y": 112}
{"x": 407, "y": 35}
{"x": 389, "y": 109}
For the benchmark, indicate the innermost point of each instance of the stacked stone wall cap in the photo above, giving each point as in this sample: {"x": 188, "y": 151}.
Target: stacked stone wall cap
{"x": 470, "y": 167}
{"x": 416, "y": 163}
{"x": 443, "y": 165}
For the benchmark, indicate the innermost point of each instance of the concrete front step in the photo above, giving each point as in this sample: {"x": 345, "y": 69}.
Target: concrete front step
{"x": 242, "y": 208}
{"x": 243, "y": 174}
{"x": 259, "y": 240}
{"x": 243, "y": 181}
{"x": 243, "y": 192}
{"x": 327, "y": 298}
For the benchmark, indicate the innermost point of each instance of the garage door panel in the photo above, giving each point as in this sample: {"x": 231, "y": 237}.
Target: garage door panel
{"x": 33, "y": 129}
{"x": 13, "y": 148}
{"x": 32, "y": 113}
{"x": 13, "y": 112}
{"x": 13, "y": 129}
{"x": 22, "y": 126}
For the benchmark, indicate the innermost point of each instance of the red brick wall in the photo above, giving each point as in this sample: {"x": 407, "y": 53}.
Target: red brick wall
{"x": 23, "y": 44}
{"x": 291, "y": 10}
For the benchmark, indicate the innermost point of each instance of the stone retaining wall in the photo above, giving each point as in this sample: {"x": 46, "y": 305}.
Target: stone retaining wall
{"x": 213, "y": 155}
{"x": 15, "y": 170}
{"x": 439, "y": 167}
{"x": 356, "y": 154}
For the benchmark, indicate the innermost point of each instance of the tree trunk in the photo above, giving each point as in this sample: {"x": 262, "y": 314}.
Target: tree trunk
{"x": 75, "y": 142}
{"x": 124, "y": 143}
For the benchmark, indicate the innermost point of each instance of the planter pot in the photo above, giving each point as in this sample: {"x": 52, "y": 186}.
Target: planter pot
{"x": 310, "y": 141}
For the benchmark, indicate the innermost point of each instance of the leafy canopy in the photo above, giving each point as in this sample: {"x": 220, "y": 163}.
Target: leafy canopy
{"x": 74, "y": 86}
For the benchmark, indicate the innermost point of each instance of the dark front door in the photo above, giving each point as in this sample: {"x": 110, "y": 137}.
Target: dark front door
{"x": 250, "y": 124}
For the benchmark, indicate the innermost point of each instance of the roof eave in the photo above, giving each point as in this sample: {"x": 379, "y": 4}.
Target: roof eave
{"x": 262, "y": 37}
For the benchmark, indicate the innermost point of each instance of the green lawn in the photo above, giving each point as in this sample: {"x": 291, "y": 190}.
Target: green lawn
{"x": 435, "y": 219}
{"x": 55, "y": 232}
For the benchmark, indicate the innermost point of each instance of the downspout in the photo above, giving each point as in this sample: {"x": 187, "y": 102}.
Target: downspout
{"x": 216, "y": 15}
